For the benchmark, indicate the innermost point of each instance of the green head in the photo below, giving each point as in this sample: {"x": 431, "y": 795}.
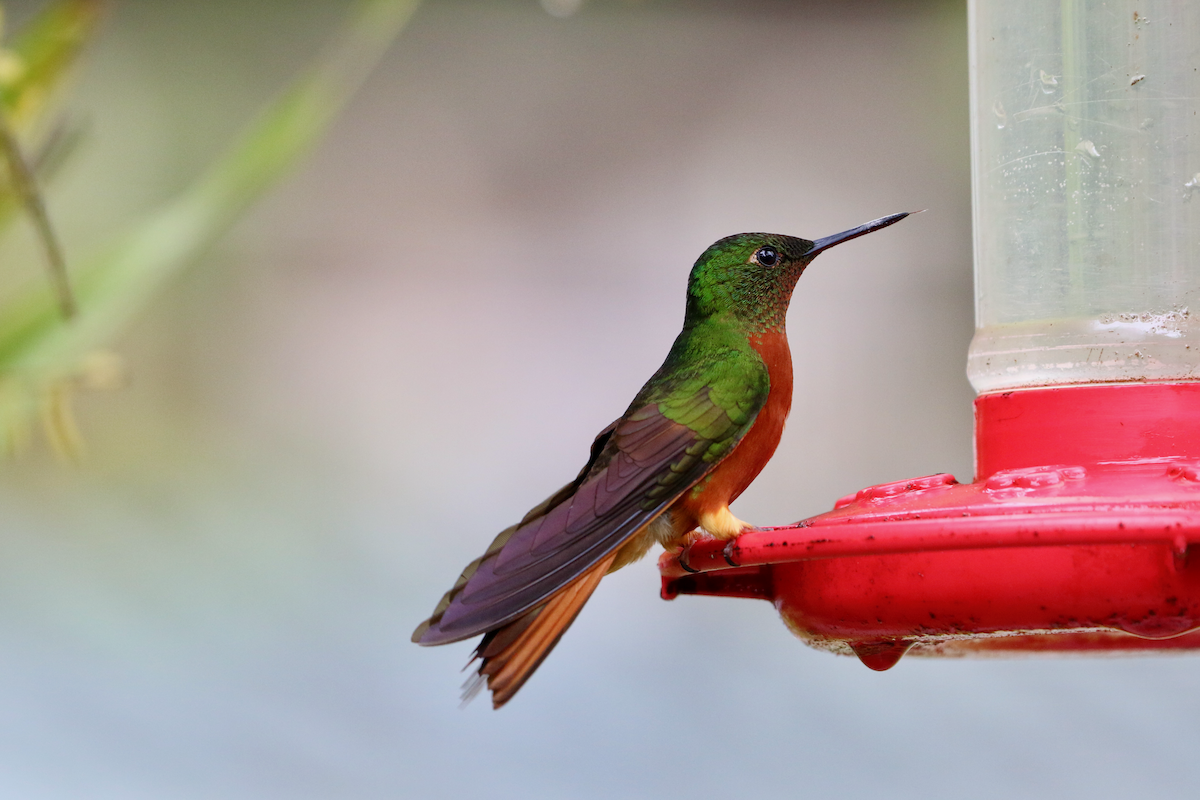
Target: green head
{"x": 750, "y": 276}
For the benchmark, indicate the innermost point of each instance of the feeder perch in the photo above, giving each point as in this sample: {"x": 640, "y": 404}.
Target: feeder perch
{"x": 1079, "y": 532}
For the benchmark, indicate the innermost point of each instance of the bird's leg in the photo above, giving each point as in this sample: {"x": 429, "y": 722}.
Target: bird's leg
{"x": 722, "y": 524}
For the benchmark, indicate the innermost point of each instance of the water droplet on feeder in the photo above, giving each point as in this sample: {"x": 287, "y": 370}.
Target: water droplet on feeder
{"x": 1001, "y": 115}
{"x": 1153, "y": 626}
{"x": 881, "y": 654}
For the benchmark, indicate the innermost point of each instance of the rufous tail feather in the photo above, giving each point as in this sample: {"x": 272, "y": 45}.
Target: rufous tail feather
{"x": 509, "y": 655}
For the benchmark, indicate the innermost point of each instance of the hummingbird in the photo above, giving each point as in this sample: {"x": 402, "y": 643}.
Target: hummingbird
{"x": 665, "y": 472}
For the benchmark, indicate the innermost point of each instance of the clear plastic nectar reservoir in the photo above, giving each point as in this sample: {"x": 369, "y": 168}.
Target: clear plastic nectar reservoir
{"x": 1086, "y": 141}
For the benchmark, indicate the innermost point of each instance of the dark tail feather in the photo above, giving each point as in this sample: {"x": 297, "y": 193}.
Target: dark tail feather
{"x": 510, "y": 654}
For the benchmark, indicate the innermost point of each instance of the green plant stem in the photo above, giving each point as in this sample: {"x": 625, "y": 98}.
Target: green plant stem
{"x": 26, "y": 186}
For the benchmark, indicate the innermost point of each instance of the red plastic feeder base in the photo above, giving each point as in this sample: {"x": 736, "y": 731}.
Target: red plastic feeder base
{"x": 1076, "y": 537}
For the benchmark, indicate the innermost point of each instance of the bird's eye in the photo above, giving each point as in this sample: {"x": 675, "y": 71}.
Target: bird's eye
{"x": 767, "y": 256}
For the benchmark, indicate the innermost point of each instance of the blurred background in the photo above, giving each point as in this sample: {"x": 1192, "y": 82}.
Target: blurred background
{"x": 415, "y": 339}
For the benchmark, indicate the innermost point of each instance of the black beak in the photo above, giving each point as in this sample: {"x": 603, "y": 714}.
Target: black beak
{"x": 862, "y": 230}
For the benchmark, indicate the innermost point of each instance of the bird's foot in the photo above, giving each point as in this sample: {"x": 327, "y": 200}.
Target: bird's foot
{"x": 722, "y": 524}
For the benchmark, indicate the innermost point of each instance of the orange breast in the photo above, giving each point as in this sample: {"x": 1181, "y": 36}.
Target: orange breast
{"x": 734, "y": 474}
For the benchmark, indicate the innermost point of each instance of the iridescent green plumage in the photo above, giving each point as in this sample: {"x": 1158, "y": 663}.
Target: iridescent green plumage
{"x": 731, "y": 298}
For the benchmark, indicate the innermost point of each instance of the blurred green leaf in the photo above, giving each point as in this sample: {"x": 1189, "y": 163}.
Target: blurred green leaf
{"x": 40, "y": 353}
{"x": 32, "y": 71}
{"x": 40, "y": 57}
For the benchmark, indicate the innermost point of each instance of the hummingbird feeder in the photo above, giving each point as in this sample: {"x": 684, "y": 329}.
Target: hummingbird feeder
{"x": 1077, "y": 534}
